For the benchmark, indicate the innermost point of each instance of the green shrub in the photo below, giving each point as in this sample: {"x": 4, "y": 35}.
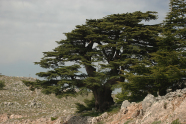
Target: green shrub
{"x": 2, "y": 85}
{"x": 165, "y": 105}
{"x": 176, "y": 122}
{"x": 120, "y": 97}
{"x": 53, "y": 118}
{"x": 89, "y": 104}
{"x": 80, "y": 107}
{"x": 114, "y": 109}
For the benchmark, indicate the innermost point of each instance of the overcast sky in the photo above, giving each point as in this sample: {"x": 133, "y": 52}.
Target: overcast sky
{"x": 30, "y": 27}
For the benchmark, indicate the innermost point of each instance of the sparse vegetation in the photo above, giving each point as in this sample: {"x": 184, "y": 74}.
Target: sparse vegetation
{"x": 90, "y": 113}
{"x": 113, "y": 109}
{"x": 156, "y": 122}
{"x": 89, "y": 104}
{"x": 127, "y": 122}
{"x": 53, "y": 118}
{"x": 101, "y": 122}
{"x": 165, "y": 105}
{"x": 2, "y": 85}
{"x": 176, "y": 122}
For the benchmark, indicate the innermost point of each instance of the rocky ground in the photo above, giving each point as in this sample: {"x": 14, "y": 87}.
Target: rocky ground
{"x": 168, "y": 109}
{"x": 19, "y": 105}
{"x": 154, "y": 110}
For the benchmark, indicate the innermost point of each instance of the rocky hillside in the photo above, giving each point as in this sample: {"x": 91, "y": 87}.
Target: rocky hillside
{"x": 168, "y": 109}
{"x": 20, "y": 105}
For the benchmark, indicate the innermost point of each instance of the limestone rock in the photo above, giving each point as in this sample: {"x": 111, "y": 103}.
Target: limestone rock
{"x": 148, "y": 101}
{"x": 125, "y": 104}
{"x": 94, "y": 120}
{"x": 136, "y": 113}
{"x": 181, "y": 111}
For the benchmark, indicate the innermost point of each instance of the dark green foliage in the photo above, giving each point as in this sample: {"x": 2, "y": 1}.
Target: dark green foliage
{"x": 90, "y": 113}
{"x": 114, "y": 109}
{"x": 166, "y": 67}
{"x": 87, "y": 111}
{"x": 31, "y": 85}
{"x": 2, "y": 85}
{"x": 80, "y": 107}
{"x": 176, "y": 122}
{"x": 53, "y": 118}
{"x": 131, "y": 97}
{"x": 123, "y": 95}
{"x": 89, "y": 104}
{"x": 171, "y": 67}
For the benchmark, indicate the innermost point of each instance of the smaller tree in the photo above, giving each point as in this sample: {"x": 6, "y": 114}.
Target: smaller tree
{"x": 2, "y": 85}
{"x": 170, "y": 58}
{"x": 167, "y": 66}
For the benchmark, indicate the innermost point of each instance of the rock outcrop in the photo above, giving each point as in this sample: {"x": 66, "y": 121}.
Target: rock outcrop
{"x": 159, "y": 110}
{"x": 148, "y": 101}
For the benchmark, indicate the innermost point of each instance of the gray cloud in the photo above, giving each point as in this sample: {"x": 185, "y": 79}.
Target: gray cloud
{"x": 30, "y": 27}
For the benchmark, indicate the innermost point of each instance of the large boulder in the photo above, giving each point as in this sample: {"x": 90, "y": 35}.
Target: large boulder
{"x": 148, "y": 101}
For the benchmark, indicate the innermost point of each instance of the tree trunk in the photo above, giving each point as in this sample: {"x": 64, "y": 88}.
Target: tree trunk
{"x": 103, "y": 98}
